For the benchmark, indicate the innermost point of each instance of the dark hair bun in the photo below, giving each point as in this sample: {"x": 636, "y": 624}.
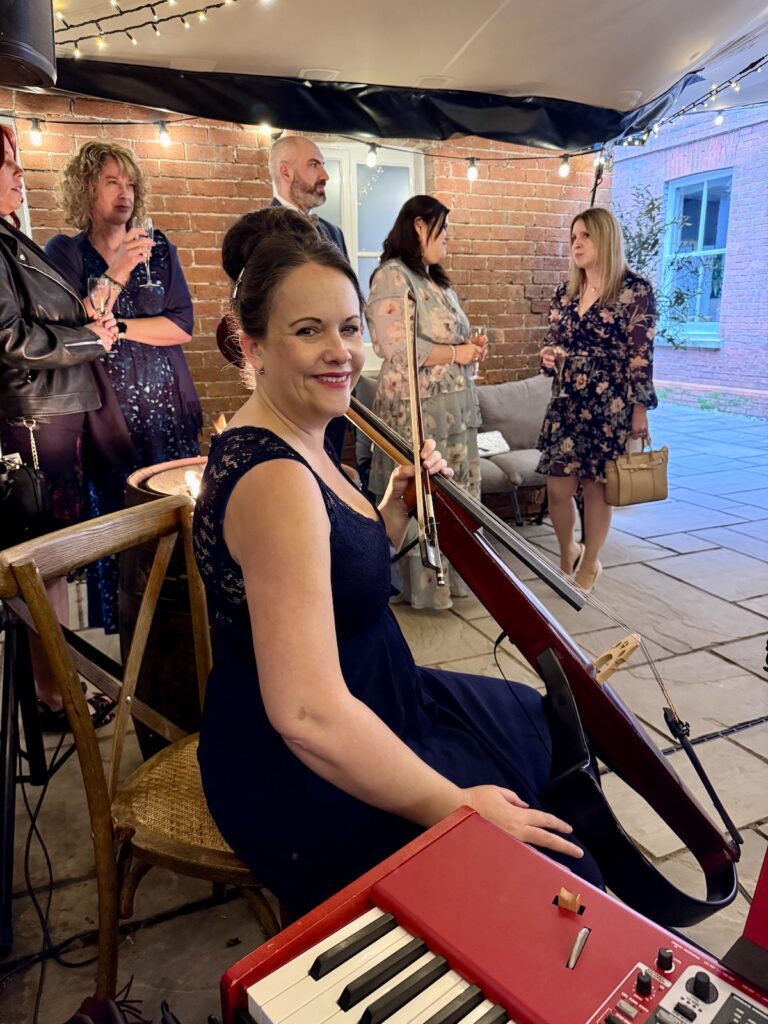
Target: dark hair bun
{"x": 246, "y": 234}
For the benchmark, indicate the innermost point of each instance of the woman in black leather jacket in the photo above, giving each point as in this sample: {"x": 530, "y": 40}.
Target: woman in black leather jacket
{"x": 47, "y": 380}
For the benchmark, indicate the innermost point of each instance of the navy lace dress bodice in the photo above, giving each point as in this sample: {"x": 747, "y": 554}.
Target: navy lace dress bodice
{"x": 301, "y": 836}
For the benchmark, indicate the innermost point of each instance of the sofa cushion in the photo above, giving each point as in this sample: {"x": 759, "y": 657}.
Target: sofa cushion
{"x": 516, "y": 409}
{"x": 493, "y": 479}
{"x": 520, "y": 468}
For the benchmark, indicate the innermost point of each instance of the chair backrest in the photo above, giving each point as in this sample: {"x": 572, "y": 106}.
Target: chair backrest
{"x": 516, "y": 409}
{"x": 24, "y": 571}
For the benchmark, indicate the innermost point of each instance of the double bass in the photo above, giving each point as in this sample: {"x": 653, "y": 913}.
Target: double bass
{"x": 589, "y": 723}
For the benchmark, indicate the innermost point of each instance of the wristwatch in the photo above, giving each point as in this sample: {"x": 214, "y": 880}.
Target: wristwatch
{"x": 122, "y": 329}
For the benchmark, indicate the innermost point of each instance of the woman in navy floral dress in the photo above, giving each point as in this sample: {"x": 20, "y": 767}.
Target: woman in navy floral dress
{"x": 103, "y": 188}
{"x": 603, "y": 321}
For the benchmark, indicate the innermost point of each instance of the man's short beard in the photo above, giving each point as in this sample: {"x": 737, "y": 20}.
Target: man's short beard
{"x": 303, "y": 196}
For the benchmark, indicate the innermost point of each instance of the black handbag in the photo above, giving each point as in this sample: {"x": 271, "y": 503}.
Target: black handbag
{"x": 25, "y": 500}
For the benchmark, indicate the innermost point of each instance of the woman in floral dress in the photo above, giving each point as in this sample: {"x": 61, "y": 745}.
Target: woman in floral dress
{"x": 604, "y": 320}
{"x": 410, "y": 262}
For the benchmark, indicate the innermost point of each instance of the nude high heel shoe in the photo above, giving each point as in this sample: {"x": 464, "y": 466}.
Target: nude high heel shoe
{"x": 586, "y": 581}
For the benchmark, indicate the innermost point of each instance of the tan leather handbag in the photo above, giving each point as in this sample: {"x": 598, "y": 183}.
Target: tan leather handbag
{"x": 637, "y": 476}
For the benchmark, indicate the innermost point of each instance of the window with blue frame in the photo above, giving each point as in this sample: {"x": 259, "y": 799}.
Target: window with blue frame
{"x": 694, "y": 252}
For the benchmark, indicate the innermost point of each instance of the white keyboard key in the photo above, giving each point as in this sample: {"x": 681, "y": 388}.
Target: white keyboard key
{"x": 353, "y": 1015}
{"x": 271, "y": 985}
{"x": 428, "y": 1002}
{"x": 307, "y": 990}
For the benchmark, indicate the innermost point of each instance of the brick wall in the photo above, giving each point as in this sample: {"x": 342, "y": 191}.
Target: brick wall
{"x": 508, "y": 234}
{"x": 734, "y": 376}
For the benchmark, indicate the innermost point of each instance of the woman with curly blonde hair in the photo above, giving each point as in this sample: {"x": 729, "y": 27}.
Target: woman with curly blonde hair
{"x": 103, "y": 191}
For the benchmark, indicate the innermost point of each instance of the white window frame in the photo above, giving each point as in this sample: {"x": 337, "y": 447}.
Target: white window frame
{"x": 349, "y": 155}
{"x": 23, "y": 213}
{"x": 698, "y": 333}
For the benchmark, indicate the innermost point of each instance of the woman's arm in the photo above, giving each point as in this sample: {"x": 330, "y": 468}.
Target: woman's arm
{"x": 155, "y": 330}
{"x": 276, "y": 527}
{"x": 174, "y": 326}
{"x": 641, "y": 330}
{"x": 33, "y": 344}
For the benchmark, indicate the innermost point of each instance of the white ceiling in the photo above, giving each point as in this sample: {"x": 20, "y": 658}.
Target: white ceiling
{"x": 608, "y": 53}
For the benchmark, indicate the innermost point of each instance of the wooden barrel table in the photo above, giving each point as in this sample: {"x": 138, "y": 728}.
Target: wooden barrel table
{"x": 168, "y": 680}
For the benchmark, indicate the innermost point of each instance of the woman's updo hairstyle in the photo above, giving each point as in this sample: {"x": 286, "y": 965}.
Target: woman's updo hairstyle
{"x": 258, "y": 253}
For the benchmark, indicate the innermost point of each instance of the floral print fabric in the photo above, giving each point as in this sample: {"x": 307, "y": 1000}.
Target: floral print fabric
{"x": 608, "y": 369}
{"x": 450, "y": 411}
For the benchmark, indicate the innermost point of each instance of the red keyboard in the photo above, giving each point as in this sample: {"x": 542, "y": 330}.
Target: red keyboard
{"x": 463, "y": 926}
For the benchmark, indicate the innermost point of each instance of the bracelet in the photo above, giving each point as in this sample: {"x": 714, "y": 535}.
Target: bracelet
{"x": 453, "y": 355}
{"x": 114, "y": 281}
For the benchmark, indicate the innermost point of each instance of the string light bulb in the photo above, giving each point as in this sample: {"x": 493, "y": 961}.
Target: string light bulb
{"x": 36, "y": 132}
{"x": 77, "y": 53}
{"x": 163, "y": 135}
{"x": 472, "y": 171}
{"x": 372, "y": 156}
{"x": 202, "y": 16}
{"x": 156, "y": 30}
{"x": 132, "y": 38}
{"x": 719, "y": 118}
{"x": 565, "y": 167}
{"x": 101, "y": 42}
{"x": 735, "y": 86}
{"x": 185, "y": 23}
{"x": 154, "y": 12}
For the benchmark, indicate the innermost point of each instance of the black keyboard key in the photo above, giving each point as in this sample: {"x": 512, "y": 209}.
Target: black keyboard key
{"x": 459, "y": 1007}
{"x": 496, "y": 1015}
{"x": 351, "y": 946}
{"x": 403, "y": 993}
{"x": 361, "y": 987}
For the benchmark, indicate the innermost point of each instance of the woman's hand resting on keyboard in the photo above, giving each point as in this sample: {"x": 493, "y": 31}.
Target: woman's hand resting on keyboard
{"x": 505, "y": 809}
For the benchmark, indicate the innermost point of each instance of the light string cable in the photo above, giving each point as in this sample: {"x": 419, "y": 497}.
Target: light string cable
{"x": 154, "y": 22}
{"x": 701, "y": 102}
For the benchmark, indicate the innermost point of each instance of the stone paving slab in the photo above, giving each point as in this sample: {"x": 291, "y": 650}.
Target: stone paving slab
{"x": 717, "y": 934}
{"x": 675, "y": 614}
{"x": 750, "y": 653}
{"x": 751, "y": 513}
{"x": 758, "y": 529}
{"x": 725, "y": 573}
{"x": 707, "y": 692}
{"x": 740, "y": 780}
{"x": 735, "y": 540}
{"x": 757, "y": 497}
{"x": 180, "y": 960}
{"x": 620, "y": 549}
{"x": 683, "y": 543}
{"x": 670, "y": 516}
{"x": 698, "y": 463}
{"x": 715, "y": 501}
{"x": 726, "y": 482}
{"x": 438, "y": 636}
{"x": 754, "y": 740}
{"x": 756, "y": 604}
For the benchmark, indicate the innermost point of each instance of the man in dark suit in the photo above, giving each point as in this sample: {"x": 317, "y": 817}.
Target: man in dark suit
{"x": 298, "y": 174}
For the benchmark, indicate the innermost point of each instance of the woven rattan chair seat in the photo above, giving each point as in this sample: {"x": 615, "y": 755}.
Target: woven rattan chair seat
{"x": 165, "y": 797}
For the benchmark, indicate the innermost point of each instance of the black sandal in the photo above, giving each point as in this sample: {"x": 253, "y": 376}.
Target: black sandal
{"x": 103, "y": 711}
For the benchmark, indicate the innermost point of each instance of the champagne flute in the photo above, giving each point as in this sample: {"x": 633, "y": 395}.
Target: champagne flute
{"x": 560, "y": 355}
{"x": 474, "y": 373}
{"x": 148, "y": 228}
{"x": 100, "y": 294}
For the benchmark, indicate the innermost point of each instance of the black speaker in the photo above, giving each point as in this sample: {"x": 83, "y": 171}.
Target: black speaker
{"x": 27, "y": 55}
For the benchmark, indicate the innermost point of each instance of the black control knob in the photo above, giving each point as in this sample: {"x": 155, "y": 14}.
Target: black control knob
{"x": 702, "y": 987}
{"x": 644, "y": 983}
{"x": 664, "y": 960}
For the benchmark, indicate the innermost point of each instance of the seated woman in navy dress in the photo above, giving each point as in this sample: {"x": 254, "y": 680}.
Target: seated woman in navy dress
{"x": 103, "y": 192}
{"x": 323, "y": 747}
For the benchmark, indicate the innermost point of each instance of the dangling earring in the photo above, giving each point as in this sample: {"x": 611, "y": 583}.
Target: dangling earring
{"x": 260, "y": 372}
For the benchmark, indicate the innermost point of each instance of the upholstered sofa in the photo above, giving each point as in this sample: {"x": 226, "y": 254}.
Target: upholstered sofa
{"x": 516, "y": 409}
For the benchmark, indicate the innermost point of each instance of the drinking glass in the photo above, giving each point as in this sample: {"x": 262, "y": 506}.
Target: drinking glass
{"x": 155, "y": 290}
{"x": 100, "y": 294}
{"x": 474, "y": 372}
{"x": 560, "y": 356}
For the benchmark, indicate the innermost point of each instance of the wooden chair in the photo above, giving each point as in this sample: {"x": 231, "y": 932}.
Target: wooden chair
{"x": 159, "y": 814}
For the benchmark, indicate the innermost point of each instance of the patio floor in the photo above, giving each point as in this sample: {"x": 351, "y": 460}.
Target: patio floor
{"x": 690, "y": 574}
